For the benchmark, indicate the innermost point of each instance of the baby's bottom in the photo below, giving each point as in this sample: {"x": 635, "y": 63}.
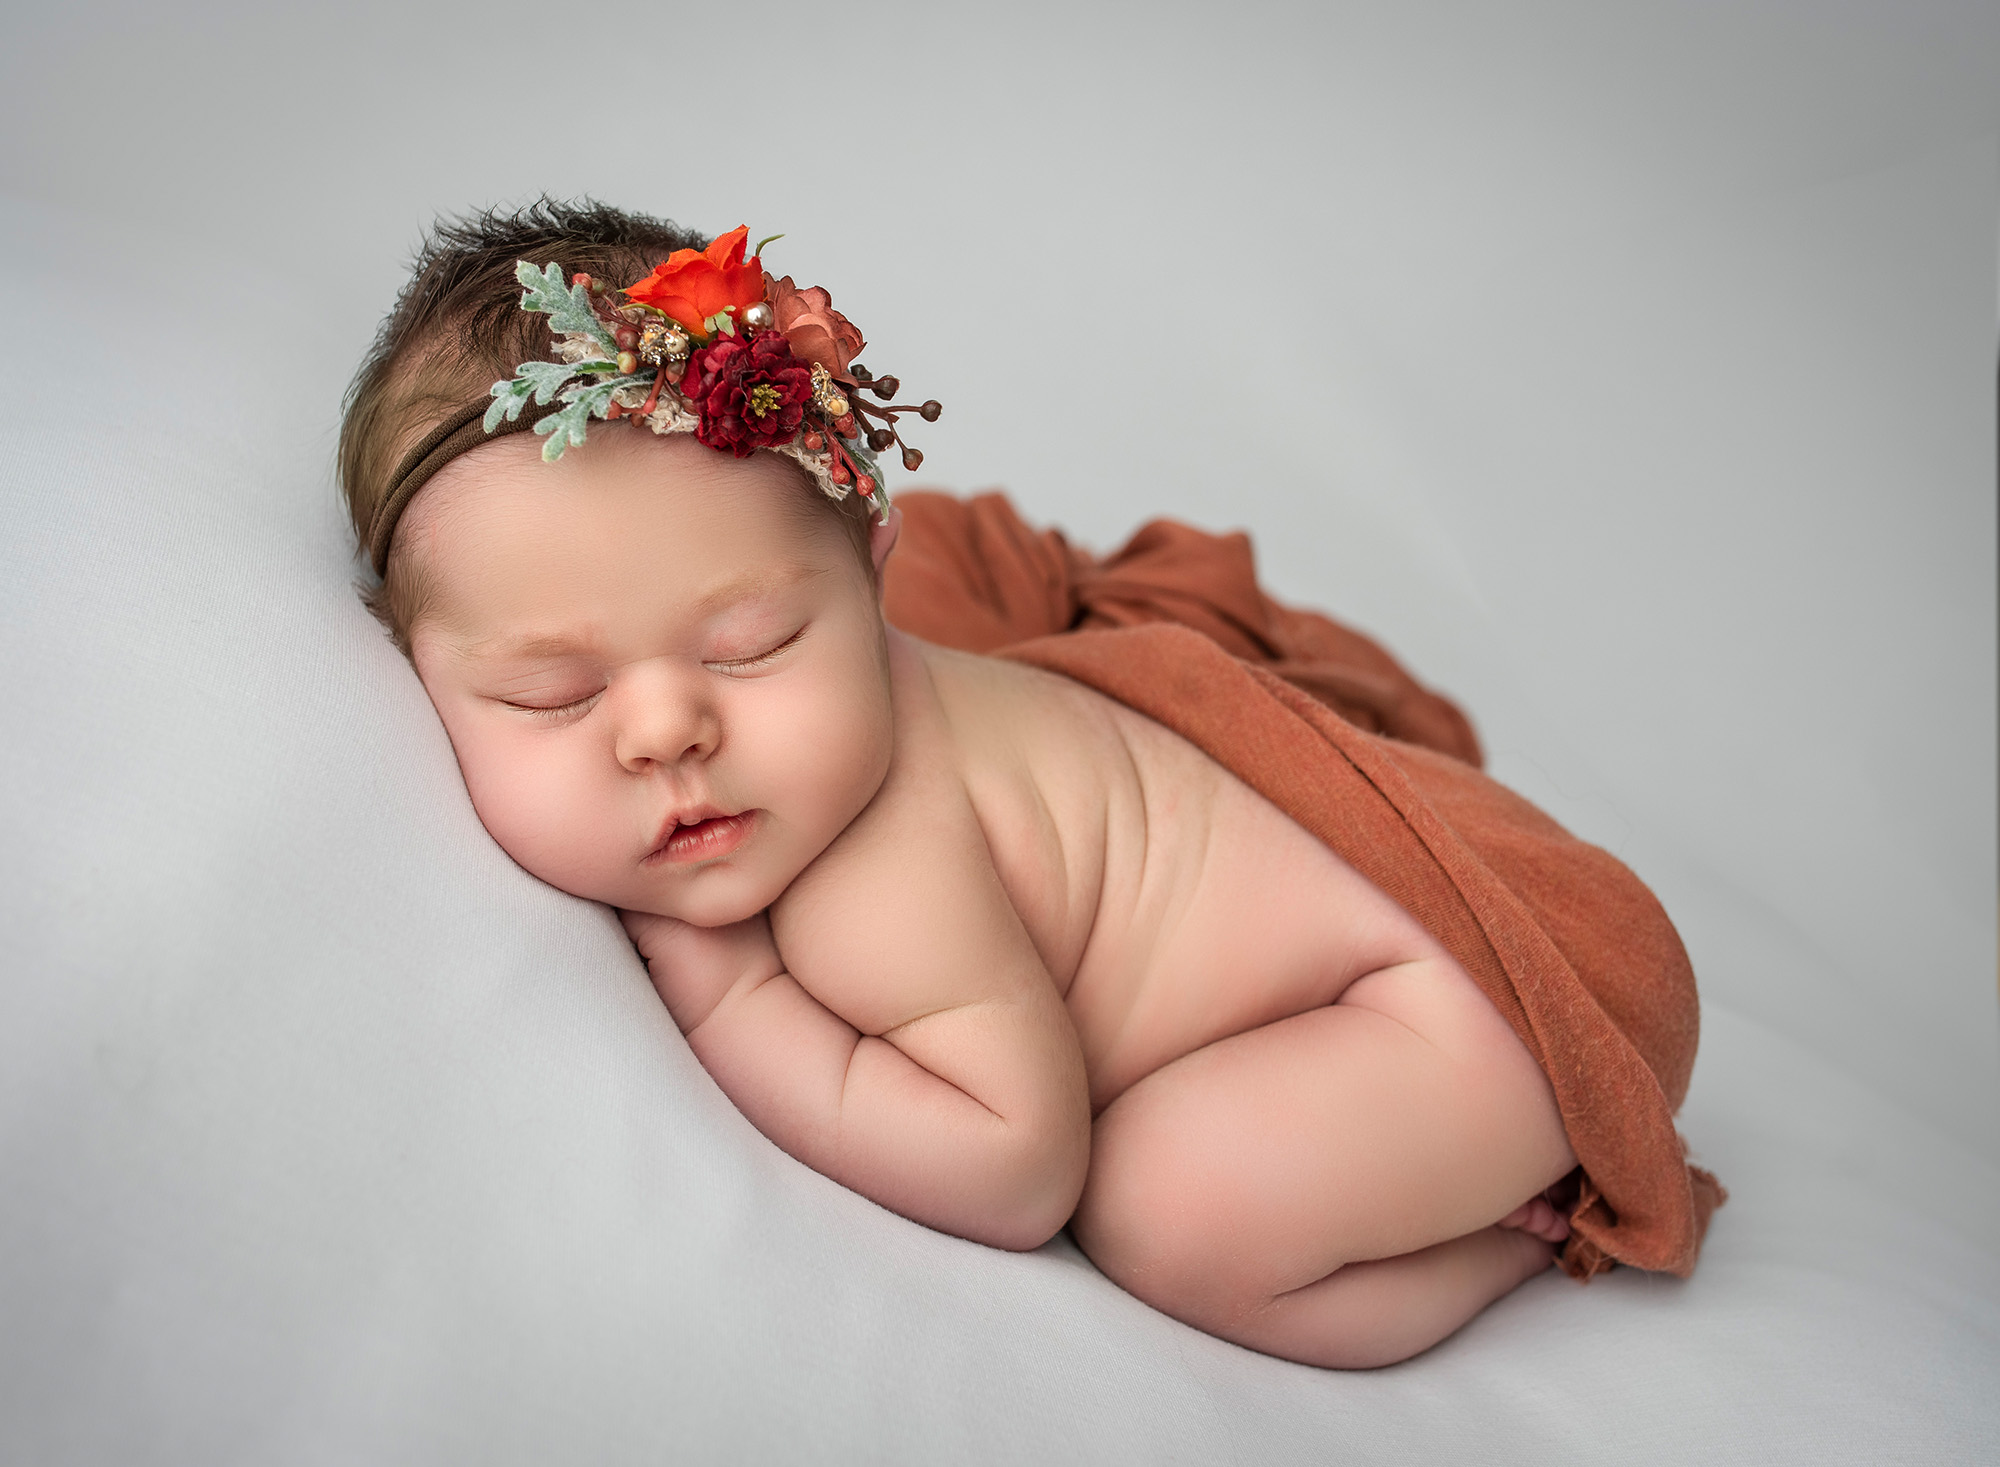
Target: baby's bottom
{"x": 1330, "y": 1188}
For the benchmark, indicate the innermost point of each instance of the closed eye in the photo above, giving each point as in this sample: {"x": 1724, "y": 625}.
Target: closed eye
{"x": 562, "y": 710}
{"x": 750, "y": 664}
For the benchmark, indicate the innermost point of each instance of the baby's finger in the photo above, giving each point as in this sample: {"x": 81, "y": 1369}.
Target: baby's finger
{"x": 649, "y": 931}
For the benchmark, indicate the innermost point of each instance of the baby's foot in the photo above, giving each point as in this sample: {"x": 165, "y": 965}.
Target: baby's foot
{"x": 1537, "y": 1218}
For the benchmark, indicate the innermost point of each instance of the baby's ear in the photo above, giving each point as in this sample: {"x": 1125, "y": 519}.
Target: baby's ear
{"x": 882, "y": 536}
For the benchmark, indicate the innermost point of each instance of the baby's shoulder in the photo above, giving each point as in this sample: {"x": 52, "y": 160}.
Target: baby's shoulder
{"x": 997, "y": 794}
{"x": 919, "y": 829}
{"x": 1007, "y": 783}
{"x": 912, "y": 885}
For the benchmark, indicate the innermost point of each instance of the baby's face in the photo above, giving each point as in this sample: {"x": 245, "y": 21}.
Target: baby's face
{"x": 665, "y": 677}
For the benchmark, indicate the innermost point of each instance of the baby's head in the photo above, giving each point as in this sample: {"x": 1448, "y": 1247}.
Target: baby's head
{"x": 663, "y": 668}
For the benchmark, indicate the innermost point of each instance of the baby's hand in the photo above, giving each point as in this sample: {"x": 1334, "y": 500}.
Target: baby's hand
{"x": 694, "y": 967}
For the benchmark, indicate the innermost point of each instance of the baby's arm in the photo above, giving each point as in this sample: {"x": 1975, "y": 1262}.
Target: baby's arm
{"x": 921, "y": 1056}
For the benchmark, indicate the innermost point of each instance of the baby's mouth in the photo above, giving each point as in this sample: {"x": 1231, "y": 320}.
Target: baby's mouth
{"x": 704, "y": 839}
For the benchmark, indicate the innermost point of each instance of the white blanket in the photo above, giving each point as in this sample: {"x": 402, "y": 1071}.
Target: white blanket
{"x": 1631, "y": 374}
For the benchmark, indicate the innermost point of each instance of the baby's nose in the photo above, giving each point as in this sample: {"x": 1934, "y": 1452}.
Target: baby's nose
{"x": 663, "y": 717}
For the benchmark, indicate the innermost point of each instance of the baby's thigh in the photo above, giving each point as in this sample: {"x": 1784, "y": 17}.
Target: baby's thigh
{"x": 1405, "y": 1115}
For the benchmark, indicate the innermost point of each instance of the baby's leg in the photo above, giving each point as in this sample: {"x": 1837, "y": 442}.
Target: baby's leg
{"x": 1327, "y": 1188}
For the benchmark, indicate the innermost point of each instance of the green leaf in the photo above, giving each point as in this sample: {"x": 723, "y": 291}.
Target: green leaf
{"x": 865, "y": 461}
{"x": 722, "y": 323}
{"x": 567, "y": 306}
{"x": 538, "y": 382}
{"x": 862, "y": 457}
{"x": 509, "y": 397}
{"x": 567, "y": 426}
{"x": 547, "y": 378}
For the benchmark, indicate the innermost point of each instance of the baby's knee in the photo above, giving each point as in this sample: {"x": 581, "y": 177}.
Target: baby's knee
{"x": 1146, "y": 1225}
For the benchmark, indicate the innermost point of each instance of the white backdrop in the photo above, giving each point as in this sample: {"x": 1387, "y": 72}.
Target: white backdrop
{"x": 1628, "y": 368}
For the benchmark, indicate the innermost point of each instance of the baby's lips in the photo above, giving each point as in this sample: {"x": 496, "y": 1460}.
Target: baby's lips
{"x": 706, "y": 839}
{"x": 682, "y": 818}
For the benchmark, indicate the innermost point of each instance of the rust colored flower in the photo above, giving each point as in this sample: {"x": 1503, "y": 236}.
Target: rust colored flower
{"x": 693, "y": 285}
{"x": 747, "y": 395}
{"x": 817, "y": 332}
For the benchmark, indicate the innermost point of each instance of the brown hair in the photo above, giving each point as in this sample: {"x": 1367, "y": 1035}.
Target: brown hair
{"x": 457, "y": 327}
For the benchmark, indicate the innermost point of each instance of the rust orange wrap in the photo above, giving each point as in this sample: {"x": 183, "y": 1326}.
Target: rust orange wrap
{"x": 1570, "y": 946}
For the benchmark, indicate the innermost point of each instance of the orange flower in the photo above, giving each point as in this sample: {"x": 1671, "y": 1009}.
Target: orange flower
{"x": 816, "y": 331}
{"x": 693, "y": 285}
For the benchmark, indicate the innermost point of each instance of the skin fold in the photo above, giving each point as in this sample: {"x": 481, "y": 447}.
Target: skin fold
{"x": 967, "y": 937}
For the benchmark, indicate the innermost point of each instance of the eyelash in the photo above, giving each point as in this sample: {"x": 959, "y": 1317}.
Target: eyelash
{"x": 566, "y": 710}
{"x": 762, "y": 657}
{"x": 562, "y": 711}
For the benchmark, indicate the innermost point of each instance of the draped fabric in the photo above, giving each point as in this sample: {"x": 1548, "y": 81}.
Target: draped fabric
{"x": 1571, "y": 948}
{"x": 973, "y": 574}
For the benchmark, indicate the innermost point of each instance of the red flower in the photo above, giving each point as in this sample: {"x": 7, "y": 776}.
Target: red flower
{"x": 747, "y": 395}
{"x": 817, "y": 332}
{"x": 693, "y": 285}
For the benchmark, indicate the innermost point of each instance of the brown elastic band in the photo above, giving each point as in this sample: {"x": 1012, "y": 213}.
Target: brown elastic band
{"x": 461, "y": 431}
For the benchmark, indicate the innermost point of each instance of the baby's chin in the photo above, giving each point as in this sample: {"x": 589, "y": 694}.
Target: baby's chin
{"x": 706, "y": 913}
{"x": 713, "y": 899}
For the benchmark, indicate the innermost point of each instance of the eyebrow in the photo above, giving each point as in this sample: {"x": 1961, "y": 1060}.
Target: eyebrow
{"x": 534, "y": 648}
{"x": 756, "y": 583}
{"x": 555, "y": 645}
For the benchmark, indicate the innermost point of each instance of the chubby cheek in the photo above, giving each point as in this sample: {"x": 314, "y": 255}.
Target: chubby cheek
{"x": 547, "y": 804}
{"x": 823, "y": 751}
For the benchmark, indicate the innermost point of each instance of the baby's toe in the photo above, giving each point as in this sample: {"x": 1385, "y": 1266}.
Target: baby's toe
{"x": 1536, "y": 1218}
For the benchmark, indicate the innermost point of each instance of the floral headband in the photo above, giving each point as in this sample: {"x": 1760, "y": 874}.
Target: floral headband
{"x": 707, "y": 344}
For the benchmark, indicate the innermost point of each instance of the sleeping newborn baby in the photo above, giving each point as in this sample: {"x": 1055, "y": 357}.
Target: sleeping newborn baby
{"x": 967, "y": 936}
